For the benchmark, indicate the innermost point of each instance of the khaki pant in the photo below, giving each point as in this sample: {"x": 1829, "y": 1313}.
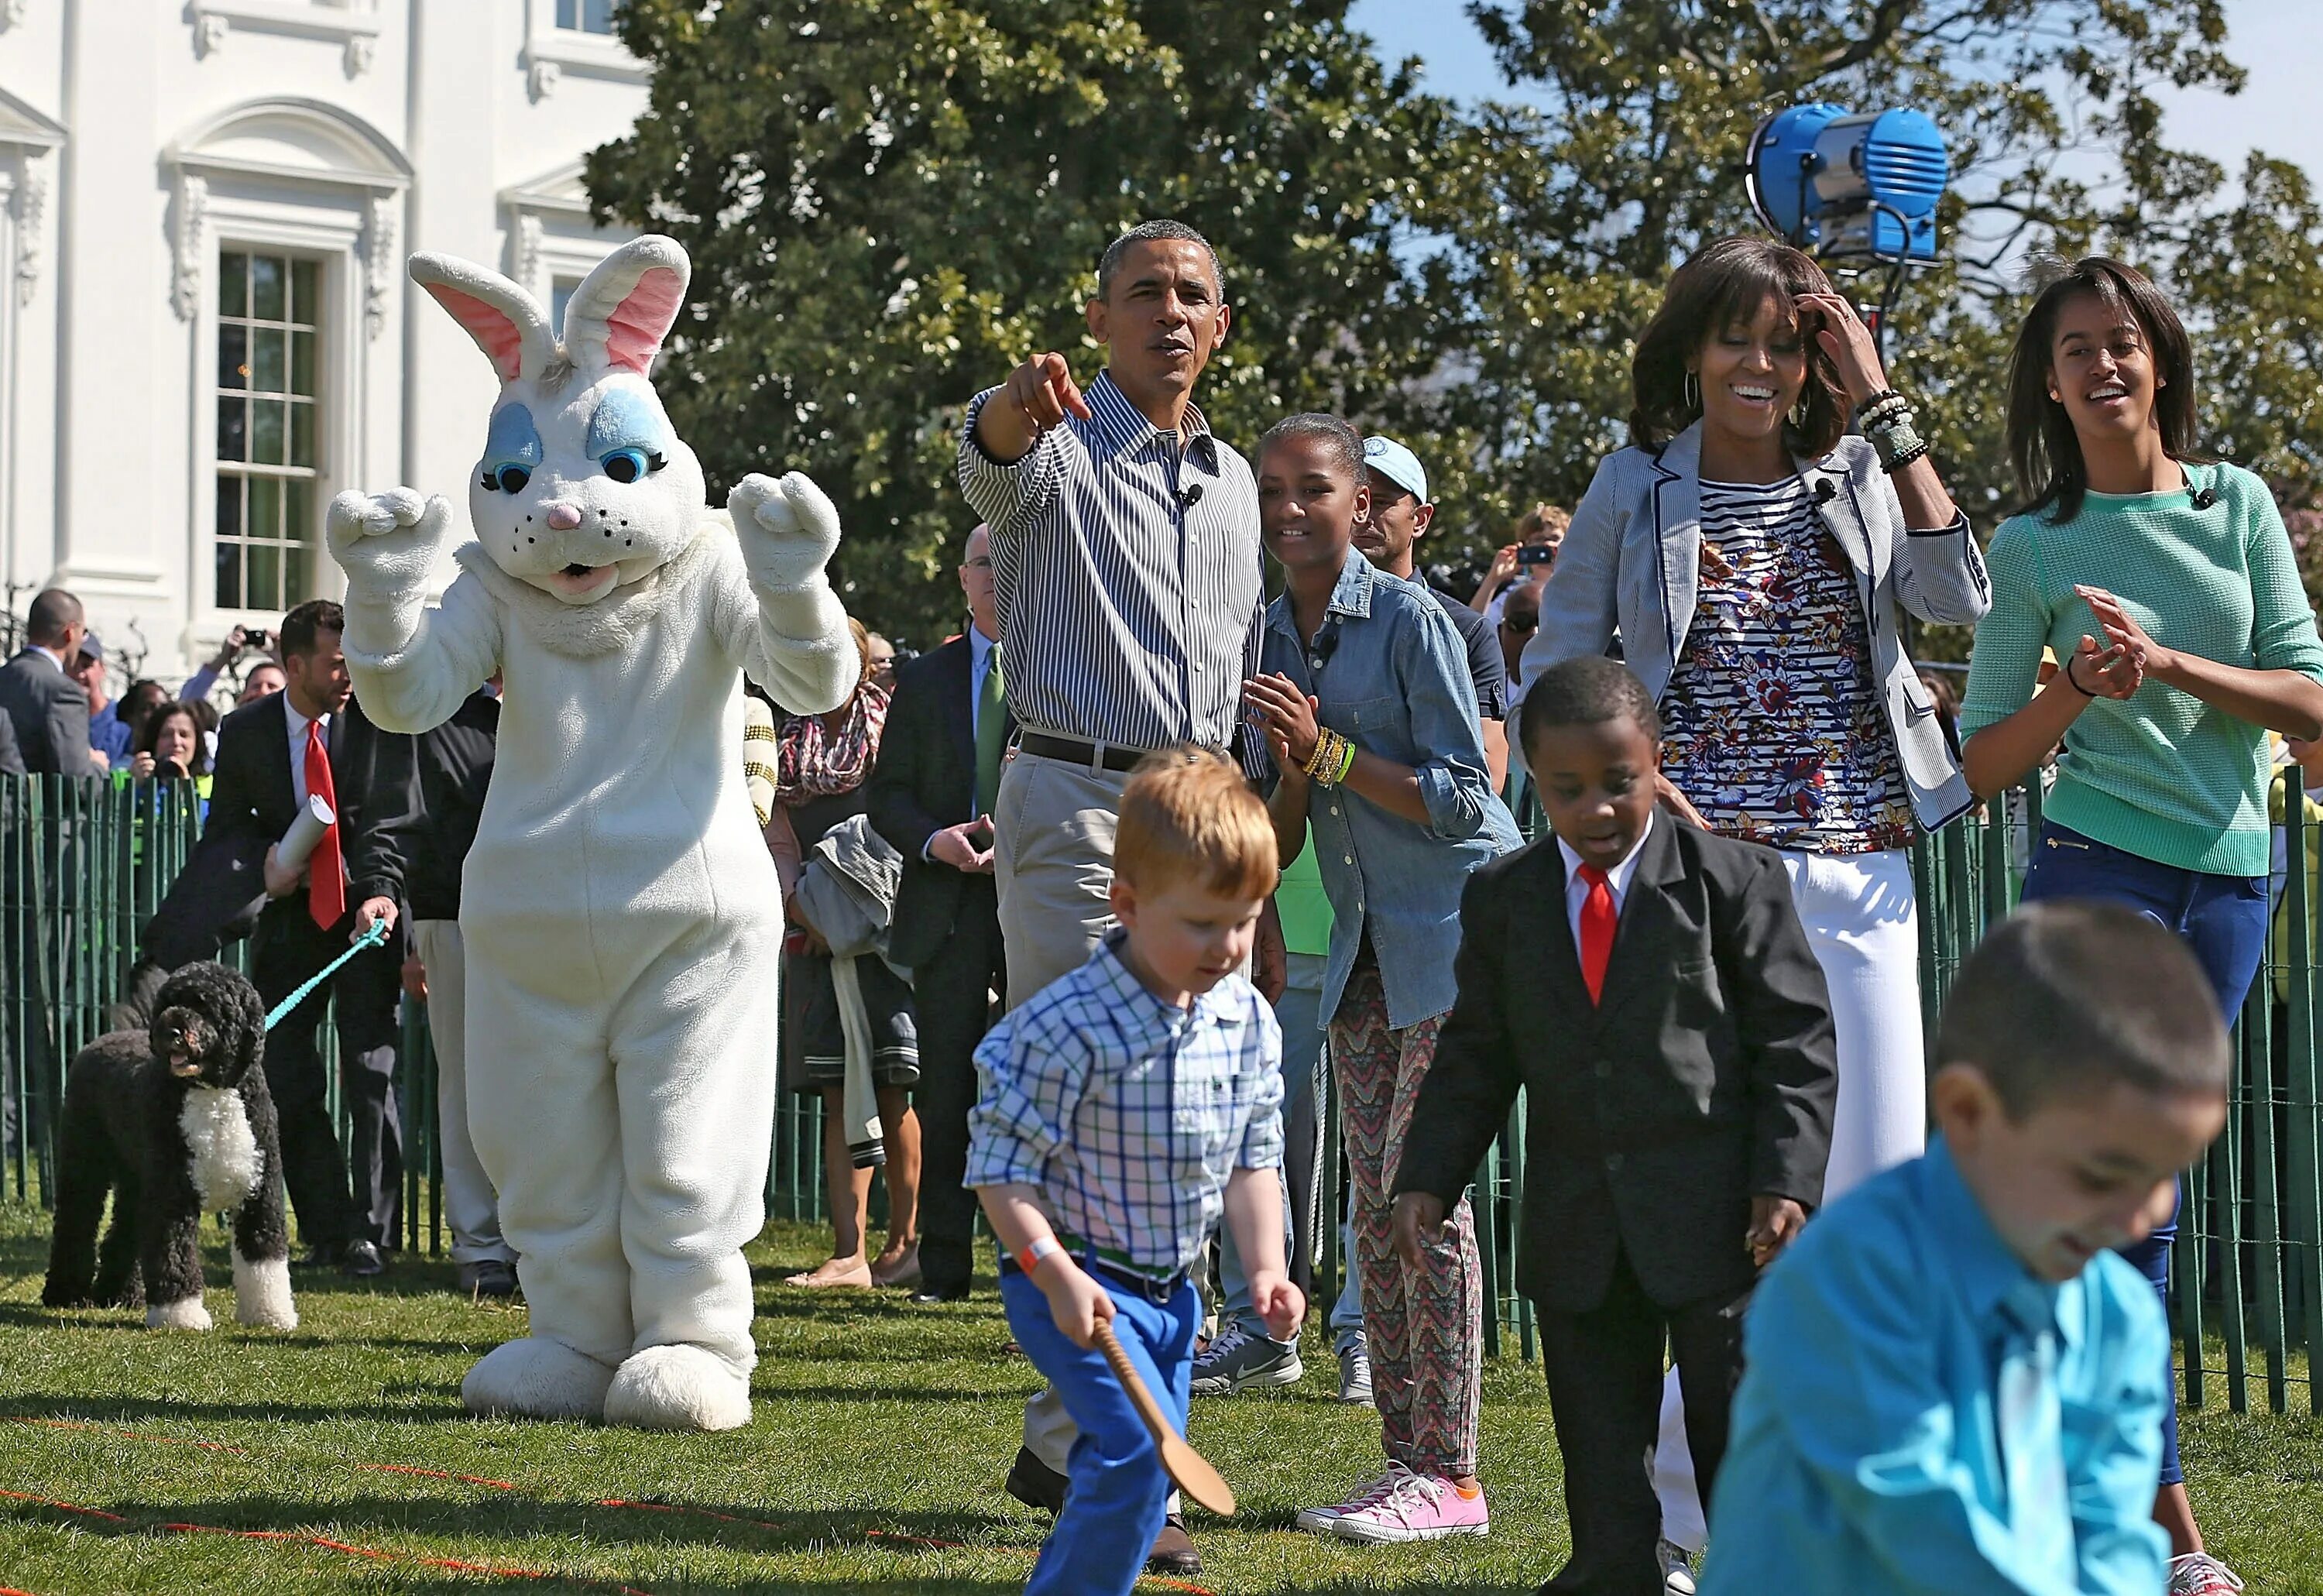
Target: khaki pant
{"x": 1052, "y": 856}
{"x": 470, "y": 1207}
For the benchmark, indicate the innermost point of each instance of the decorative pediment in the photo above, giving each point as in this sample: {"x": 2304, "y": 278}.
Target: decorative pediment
{"x": 562, "y": 191}
{"x": 302, "y": 140}
{"x": 26, "y": 128}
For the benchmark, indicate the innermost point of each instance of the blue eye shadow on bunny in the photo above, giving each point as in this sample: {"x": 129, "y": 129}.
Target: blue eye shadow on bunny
{"x": 512, "y": 450}
{"x": 626, "y": 419}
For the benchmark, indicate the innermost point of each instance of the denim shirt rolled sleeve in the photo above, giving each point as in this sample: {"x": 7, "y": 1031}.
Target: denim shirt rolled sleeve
{"x": 1866, "y": 1449}
{"x": 1387, "y": 670}
{"x": 1440, "y": 694}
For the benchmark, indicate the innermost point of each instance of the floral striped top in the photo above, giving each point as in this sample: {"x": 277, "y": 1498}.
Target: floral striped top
{"x": 1770, "y": 724}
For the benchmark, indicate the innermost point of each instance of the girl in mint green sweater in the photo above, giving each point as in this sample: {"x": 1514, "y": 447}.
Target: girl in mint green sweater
{"x": 2168, "y": 590}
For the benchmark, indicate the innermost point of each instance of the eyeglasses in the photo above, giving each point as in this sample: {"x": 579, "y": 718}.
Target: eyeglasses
{"x": 981, "y": 563}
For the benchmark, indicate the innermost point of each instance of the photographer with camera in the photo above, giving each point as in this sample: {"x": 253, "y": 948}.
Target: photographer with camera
{"x": 265, "y": 675}
{"x": 1525, "y": 562}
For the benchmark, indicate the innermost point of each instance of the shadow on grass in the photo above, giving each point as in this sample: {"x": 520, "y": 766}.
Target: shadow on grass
{"x": 130, "y": 1411}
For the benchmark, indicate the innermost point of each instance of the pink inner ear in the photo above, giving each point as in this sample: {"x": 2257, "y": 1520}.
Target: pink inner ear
{"x": 491, "y": 329}
{"x": 634, "y": 331}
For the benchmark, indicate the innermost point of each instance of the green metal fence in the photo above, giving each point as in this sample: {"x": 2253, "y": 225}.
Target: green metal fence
{"x": 83, "y": 865}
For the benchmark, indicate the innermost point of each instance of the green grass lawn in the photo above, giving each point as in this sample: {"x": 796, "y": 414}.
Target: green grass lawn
{"x": 875, "y": 1461}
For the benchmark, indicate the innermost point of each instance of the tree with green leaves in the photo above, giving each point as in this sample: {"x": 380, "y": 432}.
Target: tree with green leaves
{"x": 890, "y": 203}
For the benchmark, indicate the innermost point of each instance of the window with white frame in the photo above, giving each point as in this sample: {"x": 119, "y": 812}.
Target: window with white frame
{"x": 268, "y": 377}
{"x": 585, "y": 16}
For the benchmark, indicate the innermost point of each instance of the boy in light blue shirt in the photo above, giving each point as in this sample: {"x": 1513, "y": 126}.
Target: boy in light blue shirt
{"x": 1952, "y": 1383}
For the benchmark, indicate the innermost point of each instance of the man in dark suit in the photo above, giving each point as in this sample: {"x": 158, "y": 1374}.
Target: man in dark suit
{"x": 930, "y": 797}
{"x": 312, "y": 739}
{"x": 1650, "y": 987}
{"x": 46, "y": 708}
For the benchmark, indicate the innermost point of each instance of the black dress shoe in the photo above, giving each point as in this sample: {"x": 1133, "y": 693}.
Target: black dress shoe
{"x": 361, "y": 1261}
{"x": 1035, "y": 1483}
{"x": 323, "y": 1255}
{"x": 1173, "y": 1550}
{"x": 929, "y": 1296}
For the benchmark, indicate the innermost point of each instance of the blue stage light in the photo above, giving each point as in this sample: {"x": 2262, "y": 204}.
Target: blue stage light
{"x": 1850, "y": 186}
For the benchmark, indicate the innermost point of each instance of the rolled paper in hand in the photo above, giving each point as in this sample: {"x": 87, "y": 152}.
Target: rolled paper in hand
{"x": 304, "y": 832}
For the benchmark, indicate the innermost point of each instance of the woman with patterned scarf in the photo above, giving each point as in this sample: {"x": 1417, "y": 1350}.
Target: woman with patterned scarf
{"x": 820, "y": 766}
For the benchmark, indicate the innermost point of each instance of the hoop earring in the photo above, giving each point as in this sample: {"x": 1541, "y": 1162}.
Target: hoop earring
{"x": 1691, "y": 391}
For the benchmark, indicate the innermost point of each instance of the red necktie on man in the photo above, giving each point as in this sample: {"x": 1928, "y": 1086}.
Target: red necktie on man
{"x": 1597, "y": 921}
{"x": 326, "y": 876}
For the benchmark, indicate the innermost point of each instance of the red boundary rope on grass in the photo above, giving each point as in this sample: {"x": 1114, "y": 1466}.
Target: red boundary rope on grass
{"x": 677, "y": 1508}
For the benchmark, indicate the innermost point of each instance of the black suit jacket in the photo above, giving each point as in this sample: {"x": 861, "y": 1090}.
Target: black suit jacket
{"x": 1706, "y": 1075}
{"x": 11, "y": 762}
{"x": 924, "y": 780}
{"x": 252, "y": 804}
{"x": 428, "y": 797}
{"x": 48, "y": 713}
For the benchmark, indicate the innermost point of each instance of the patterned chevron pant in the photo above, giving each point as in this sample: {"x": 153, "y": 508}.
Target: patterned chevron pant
{"x": 1426, "y": 1326}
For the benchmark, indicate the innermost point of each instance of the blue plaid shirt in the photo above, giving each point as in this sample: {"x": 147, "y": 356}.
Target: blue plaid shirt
{"x": 1125, "y": 1113}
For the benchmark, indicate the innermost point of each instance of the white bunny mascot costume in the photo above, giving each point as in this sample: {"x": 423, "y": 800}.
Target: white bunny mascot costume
{"x": 621, "y": 915}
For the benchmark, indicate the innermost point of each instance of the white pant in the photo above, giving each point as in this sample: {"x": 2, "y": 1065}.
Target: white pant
{"x": 1863, "y": 923}
{"x": 470, "y": 1206}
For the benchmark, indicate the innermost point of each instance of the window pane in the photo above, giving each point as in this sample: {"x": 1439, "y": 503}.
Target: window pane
{"x": 305, "y": 300}
{"x": 568, "y": 13}
{"x": 233, "y": 294}
{"x": 266, "y": 507}
{"x": 263, "y": 588}
{"x": 599, "y": 16}
{"x": 229, "y": 574}
{"x": 302, "y": 363}
{"x": 298, "y": 509}
{"x": 234, "y": 357}
{"x": 229, "y": 504}
{"x": 266, "y": 350}
{"x": 302, "y": 432}
{"x": 294, "y": 590}
{"x": 266, "y": 431}
{"x": 230, "y": 441}
{"x": 266, "y": 287}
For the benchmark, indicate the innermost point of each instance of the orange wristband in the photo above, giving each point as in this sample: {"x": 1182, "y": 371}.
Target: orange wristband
{"x": 1030, "y": 1258}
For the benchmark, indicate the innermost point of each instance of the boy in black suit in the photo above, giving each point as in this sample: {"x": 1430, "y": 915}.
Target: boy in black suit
{"x": 1673, "y": 1032}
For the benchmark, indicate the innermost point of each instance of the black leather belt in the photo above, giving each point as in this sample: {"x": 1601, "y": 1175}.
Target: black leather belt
{"x": 1157, "y": 1292}
{"x": 1073, "y": 751}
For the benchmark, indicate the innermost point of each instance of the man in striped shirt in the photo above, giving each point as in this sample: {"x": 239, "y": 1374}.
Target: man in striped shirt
{"x": 1131, "y": 589}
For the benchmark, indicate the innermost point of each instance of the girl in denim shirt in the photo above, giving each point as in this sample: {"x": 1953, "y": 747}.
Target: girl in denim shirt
{"x": 1366, "y": 704}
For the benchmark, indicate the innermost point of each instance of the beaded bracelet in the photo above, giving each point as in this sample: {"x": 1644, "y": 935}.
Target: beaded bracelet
{"x": 1886, "y": 414}
{"x": 1323, "y": 752}
{"x": 1905, "y": 457}
{"x": 1884, "y": 398}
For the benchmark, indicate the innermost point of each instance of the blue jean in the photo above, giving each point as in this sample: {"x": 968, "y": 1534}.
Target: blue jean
{"x": 1299, "y": 1012}
{"x": 2223, "y": 920}
{"x": 1119, "y": 1492}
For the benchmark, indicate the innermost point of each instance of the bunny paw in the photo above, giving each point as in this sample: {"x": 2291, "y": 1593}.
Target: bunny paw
{"x": 788, "y": 528}
{"x": 389, "y": 540}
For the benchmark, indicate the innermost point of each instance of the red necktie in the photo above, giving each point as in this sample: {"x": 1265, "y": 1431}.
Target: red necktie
{"x": 1597, "y": 920}
{"x": 326, "y": 882}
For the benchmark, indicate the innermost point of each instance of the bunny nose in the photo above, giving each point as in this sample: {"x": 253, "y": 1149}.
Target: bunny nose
{"x": 563, "y": 516}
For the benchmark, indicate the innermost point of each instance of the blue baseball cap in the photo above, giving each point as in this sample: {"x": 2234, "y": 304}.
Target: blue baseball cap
{"x": 1398, "y": 464}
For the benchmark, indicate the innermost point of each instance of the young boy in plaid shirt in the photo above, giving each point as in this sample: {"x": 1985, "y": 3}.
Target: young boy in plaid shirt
{"x": 1122, "y": 1109}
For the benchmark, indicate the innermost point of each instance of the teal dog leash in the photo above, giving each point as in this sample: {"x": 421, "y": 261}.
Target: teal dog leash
{"x": 372, "y": 938}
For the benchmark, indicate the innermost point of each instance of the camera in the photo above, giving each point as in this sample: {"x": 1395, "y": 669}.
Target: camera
{"x": 258, "y": 638}
{"x": 1536, "y": 554}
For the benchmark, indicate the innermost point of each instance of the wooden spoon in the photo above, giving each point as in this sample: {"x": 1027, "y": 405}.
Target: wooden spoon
{"x": 1186, "y": 1466}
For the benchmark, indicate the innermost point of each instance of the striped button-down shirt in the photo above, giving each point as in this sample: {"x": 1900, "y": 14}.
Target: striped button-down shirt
{"x": 1127, "y": 1115}
{"x": 1127, "y": 571}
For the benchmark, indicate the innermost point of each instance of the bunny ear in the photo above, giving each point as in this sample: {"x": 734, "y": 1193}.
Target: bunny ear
{"x": 505, "y": 321}
{"x": 622, "y": 310}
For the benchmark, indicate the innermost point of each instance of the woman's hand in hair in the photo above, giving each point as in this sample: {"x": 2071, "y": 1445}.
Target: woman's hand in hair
{"x": 1849, "y": 343}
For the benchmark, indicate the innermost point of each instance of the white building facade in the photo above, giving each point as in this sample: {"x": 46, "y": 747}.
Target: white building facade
{"x": 206, "y": 330}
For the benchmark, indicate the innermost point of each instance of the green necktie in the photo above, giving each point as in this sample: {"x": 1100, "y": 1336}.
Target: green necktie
{"x": 991, "y": 731}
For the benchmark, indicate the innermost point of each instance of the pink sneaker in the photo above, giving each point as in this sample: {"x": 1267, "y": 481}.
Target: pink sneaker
{"x": 1319, "y": 1520}
{"x": 1416, "y": 1508}
{"x": 2198, "y": 1573}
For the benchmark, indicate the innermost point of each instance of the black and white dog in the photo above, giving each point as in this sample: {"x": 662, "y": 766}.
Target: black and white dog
{"x": 176, "y": 1123}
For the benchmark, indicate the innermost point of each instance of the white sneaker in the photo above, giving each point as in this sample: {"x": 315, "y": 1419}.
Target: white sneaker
{"x": 1319, "y": 1521}
{"x": 1677, "y": 1569}
{"x": 2198, "y": 1573}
